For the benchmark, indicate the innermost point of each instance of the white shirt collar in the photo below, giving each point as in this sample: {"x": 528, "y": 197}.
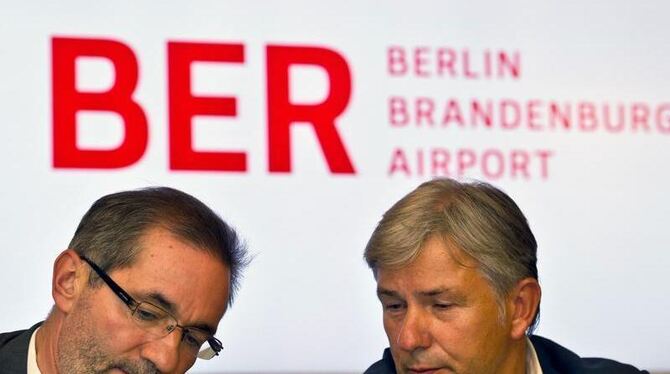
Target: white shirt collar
{"x": 532, "y": 362}
{"x": 32, "y": 355}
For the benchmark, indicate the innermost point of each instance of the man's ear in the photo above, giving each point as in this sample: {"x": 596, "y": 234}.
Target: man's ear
{"x": 524, "y": 301}
{"x": 69, "y": 280}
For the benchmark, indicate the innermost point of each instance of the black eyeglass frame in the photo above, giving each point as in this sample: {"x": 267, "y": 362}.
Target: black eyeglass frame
{"x": 132, "y": 304}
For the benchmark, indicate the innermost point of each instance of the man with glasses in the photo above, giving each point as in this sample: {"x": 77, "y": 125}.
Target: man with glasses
{"x": 141, "y": 288}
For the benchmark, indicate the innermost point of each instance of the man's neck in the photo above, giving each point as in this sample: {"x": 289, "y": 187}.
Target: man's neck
{"x": 46, "y": 343}
{"x": 515, "y": 359}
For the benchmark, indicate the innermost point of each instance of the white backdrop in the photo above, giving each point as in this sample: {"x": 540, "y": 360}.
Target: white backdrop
{"x": 548, "y": 75}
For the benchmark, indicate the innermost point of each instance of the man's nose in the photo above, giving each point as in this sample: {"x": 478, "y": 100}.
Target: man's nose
{"x": 163, "y": 352}
{"x": 414, "y": 332}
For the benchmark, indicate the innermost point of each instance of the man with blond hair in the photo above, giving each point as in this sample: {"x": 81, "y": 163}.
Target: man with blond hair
{"x": 455, "y": 265}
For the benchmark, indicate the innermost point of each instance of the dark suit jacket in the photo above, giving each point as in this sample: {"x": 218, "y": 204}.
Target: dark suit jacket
{"x": 553, "y": 358}
{"x": 14, "y": 351}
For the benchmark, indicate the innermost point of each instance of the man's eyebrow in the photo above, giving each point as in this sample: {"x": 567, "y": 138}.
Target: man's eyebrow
{"x": 161, "y": 300}
{"x": 443, "y": 291}
{"x": 436, "y": 292}
{"x": 431, "y": 292}
{"x": 164, "y": 302}
{"x": 203, "y": 326}
{"x": 385, "y": 292}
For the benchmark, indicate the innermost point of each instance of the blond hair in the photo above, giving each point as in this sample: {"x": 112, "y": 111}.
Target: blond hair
{"x": 478, "y": 218}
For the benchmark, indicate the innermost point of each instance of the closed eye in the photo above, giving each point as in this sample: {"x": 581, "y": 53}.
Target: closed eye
{"x": 442, "y": 306}
{"x": 394, "y": 307}
{"x": 191, "y": 340}
{"x": 146, "y": 315}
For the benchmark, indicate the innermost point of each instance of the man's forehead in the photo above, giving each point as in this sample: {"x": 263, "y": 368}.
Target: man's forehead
{"x": 186, "y": 281}
{"x": 437, "y": 254}
{"x": 438, "y": 268}
{"x": 158, "y": 244}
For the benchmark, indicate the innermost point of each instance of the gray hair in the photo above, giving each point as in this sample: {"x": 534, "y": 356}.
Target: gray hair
{"x": 110, "y": 232}
{"x": 481, "y": 220}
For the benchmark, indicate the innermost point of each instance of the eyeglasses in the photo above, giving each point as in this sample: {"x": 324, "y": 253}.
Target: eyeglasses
{"x": 159, "y": 323}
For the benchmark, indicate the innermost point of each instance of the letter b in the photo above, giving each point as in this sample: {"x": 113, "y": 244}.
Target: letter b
{"x": 67, "y": 101}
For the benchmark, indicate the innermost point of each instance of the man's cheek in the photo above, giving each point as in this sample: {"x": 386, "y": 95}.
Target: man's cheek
{"x": 390, "y": 327}
{"x": 123, "y": 335}
{"x": 185, "y": 364}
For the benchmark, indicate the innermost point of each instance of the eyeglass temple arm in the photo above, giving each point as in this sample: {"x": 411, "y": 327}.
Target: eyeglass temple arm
{"x": 127, "y": 299}
{"x": 215, "y": 344}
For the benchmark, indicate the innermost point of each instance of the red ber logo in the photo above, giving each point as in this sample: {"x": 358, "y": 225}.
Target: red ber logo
{"x": 183, "y": 105}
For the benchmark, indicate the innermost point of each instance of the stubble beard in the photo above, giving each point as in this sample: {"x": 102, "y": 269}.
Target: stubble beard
{"x": 81, "y": 351}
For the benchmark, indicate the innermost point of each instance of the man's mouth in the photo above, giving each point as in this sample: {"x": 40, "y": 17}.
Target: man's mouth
{"x": 118, "y": 370}
{"x": 422, "y": 370}
{"x": 127, "y": 367}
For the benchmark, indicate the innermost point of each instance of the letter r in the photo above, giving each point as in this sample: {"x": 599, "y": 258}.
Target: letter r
{"x": 282, "y": 113}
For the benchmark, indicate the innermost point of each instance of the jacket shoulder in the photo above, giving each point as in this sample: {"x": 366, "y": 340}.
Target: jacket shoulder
{"x": 14, "y": 350}
{"x": 383, "y": 366}
{"x": 6, "y": 338}
{"x": 555, "y": 358}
